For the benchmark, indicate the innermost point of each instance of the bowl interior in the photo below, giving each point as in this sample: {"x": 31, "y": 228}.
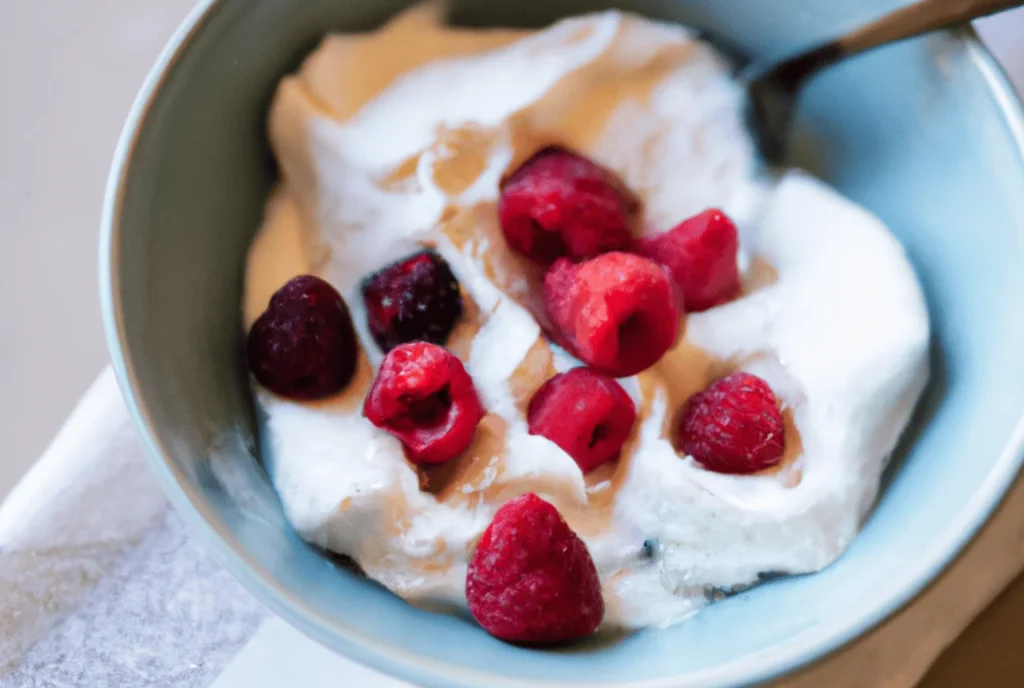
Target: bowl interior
{"x": 919, "y": 133}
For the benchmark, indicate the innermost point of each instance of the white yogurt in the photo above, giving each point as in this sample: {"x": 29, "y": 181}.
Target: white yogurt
{"x": 399, "y": 137}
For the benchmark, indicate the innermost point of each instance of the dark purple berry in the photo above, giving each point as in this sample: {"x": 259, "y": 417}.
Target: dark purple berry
{"x": 414, "y": 299}
{"x": 304, "y": 345}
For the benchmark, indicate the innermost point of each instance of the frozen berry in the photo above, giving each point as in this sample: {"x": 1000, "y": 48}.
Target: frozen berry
{"x": 734, "y": 426}
{"x": 416, "y": 298}
{"x": 424, "y": 397}
{"x": 585, "y": 413}
{"x": 303, "y": 346}
{"x": 531, "y": 578}
{"x": 559, "y": 204}
{"x": 700, "y": 254}
{"x": 617, "y": 312}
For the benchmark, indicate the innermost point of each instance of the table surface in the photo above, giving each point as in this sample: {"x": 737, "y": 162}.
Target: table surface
{"x": 68, "y": 72}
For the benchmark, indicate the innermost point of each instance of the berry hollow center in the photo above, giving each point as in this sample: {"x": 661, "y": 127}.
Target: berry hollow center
{"x": 599, "y": 434}
{"x": 634, "y": 336}
{"x": 430, "y": 410}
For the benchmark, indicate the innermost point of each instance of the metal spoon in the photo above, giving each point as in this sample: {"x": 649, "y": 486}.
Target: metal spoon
{"x": 773, "y": 89}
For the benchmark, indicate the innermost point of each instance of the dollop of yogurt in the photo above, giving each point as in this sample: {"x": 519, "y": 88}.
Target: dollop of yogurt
{"x": 397, "y": 139}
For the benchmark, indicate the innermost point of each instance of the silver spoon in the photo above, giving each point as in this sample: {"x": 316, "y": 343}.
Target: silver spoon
{"x": 773, "y": 89}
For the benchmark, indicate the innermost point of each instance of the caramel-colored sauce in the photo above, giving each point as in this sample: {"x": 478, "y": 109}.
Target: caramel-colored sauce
{"x": 461, "y": 155}
{"x": 402, "y": 175}
{"x": 476, "y": 470}
{"x": 536, "y": 368}
{"x": 370, "y": 64}
{"x": 476, "y": 229}
{"x": 683, "y": 371}
{"x": 460, "y": 341}
{"x": 759, "y": 275}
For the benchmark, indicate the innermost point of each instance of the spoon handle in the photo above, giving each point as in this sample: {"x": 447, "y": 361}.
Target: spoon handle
{"x": 773, "y": 90}
{"x": 920, "y": 17}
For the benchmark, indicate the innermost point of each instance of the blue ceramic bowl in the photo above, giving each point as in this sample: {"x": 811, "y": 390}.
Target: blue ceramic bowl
{"x": 926, "y": 134}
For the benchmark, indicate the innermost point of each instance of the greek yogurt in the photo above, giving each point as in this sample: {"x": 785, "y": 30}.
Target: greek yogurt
{"x": 397, "y": 139}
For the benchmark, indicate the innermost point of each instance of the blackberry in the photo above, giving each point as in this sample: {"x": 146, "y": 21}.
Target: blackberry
{"x": 303, "y": 346}
{"x": 414, "y": 299}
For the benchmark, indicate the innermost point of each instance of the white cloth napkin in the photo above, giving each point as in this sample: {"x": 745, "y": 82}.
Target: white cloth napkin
{"x": 98, "y": 579}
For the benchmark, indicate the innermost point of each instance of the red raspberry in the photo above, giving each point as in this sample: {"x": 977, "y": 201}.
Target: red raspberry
{"x": 424, "y": 397}
{"x": 416, "y": 298}
{"x": 531, "y": 578}
{"x": 734, "y": 426}
{"x": 616, "y": 312}
{"x": 700, "y": 253}
{"x": 559, "y": 204}
{"x": 303, "y": 346}
{"x": 585, "y": 413}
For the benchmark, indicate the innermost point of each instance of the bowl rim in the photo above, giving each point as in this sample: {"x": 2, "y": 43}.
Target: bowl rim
{"x": 411, "y": 666}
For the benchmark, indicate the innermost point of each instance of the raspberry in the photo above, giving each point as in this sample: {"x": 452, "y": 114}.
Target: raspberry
{"x": 416, "y": 298}
{"x": 734, "y": 426}
{"x": 700, "y": 253}
{"x": 585, "y": 413}
{"x": 303, "y": 346}
{"x": 424, "y": 397}
{"x": 531, "y": 578}
{"x": 616, "y": 312}
{"x": 559, "y": 204}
